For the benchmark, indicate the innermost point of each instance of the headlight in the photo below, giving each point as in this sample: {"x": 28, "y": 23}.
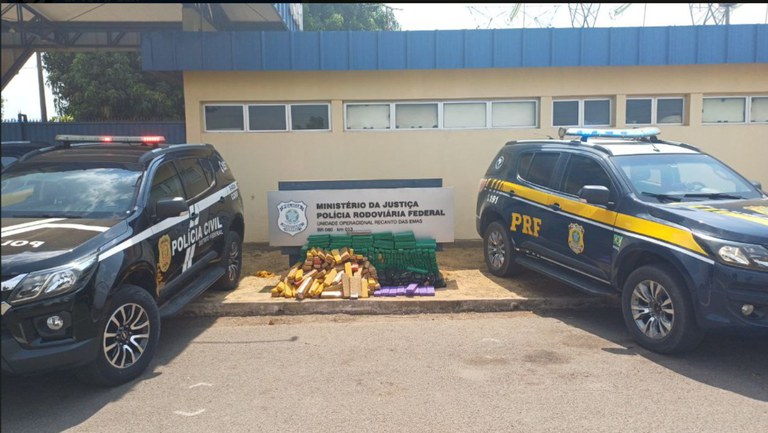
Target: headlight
{"x": 735, "y": 253}
{"x": 52, "y": 282}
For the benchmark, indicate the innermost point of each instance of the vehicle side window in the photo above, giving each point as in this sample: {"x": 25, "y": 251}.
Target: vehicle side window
{"x": 165, "y": 184}
{"x": 582, "y": 170}
{"x": 210, "y": 175}
{"x": 193, "y": 177}
{"x": 540, "y": 169}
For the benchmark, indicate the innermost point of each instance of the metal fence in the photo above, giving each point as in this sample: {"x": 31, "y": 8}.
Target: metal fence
{"x": 22, "y": 130}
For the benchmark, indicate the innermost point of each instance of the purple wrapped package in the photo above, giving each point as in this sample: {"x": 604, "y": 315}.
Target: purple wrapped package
{"x": 430, "y": 291}
{"x": 400, "y": 291}
{"x": 410, "y": 290}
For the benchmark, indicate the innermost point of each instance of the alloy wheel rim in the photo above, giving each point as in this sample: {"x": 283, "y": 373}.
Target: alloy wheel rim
{"x": 126, "y": 335}
{"x": 652, "y": 309}
{"x": 234, "y": 262}
{"x": 496, "y": 250}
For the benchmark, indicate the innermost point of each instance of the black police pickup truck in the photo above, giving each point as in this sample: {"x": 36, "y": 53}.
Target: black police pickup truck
{"x": 103, "y": 236}
{"x": 682, "y": 237}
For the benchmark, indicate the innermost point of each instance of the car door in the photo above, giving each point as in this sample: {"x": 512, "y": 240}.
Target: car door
{"x": 529, "y": 213}
{"x": 581, "y": 233}
{"x": 205, "y": 224}
{"x": 170, "y": 239}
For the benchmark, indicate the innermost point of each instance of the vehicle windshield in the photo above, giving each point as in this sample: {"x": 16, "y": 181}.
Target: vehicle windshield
{"x": 688, "y": 177}
{"x": 69, "y": 190}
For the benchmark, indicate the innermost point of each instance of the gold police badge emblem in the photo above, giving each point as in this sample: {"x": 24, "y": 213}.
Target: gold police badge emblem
{"x": 576, "y": 238}
{"x": 164, "y": 253}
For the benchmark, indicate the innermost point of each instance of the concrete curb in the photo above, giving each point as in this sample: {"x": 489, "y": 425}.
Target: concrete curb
{"x": 391, "y": 307}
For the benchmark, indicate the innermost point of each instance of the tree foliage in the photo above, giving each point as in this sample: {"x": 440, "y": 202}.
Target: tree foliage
{"x": 111, "y": 86}
{"x": 349, "y": 16}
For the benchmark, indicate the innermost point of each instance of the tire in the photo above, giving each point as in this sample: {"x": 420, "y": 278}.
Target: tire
{"x": 498, "y": 252}
{"x": 131, "y": 326}
{"x": 658, "y": 310}
{"x": 233, "y": 264}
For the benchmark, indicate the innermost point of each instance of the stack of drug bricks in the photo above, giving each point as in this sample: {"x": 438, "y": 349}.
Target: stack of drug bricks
{"x": 403, "y": 260}
{"x": 394, "y": 264}
{"x": 338, "y": 273}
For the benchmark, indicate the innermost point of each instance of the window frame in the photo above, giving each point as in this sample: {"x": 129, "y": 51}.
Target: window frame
{"x": 217, "y": 131}
{"x": 655, "y": 110}
{"x": 581, "y": 111}
{"x": 441, "y": 109}
{"x": 747, "y": 107}
{"x": 489, "y": 118}
{"x": 392, "y": 106}
{"x": 247, "y": 122}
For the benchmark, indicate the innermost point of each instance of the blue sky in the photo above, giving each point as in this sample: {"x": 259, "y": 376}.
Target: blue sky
{"x": 21, "y": 94}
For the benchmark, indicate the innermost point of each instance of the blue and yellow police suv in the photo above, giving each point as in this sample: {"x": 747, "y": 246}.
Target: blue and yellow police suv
{"x": 681, "y": 236}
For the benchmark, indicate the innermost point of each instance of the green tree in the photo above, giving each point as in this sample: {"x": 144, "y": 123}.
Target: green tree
{"x": 111, "y": 86}
{"x": 349, "y": 16}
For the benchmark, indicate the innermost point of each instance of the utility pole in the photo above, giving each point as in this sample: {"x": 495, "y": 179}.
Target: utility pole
{"x": 41, "y": 88}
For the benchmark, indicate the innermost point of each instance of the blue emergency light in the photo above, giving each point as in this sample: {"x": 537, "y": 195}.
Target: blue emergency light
{"x": 585, "y": 133}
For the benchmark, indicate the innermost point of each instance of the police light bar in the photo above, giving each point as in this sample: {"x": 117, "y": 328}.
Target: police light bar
{"x": 145, "y": 139}
{"x": 585, "y": 133}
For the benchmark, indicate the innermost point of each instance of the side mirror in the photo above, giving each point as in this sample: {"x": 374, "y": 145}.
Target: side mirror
{"x": 170, "y": 207}
{"x": 595, "y": 194}
{"x": 757, "y": 185}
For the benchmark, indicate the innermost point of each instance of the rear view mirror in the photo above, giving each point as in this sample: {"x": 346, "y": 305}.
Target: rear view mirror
{"x": 595, "y": 194}
{"x": 170, "y": 207}
{"x": 757, "y": 185}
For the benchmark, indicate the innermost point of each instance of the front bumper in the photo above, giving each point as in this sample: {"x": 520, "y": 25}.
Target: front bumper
{"x": 29, "y": 346}
{"x": 732, "y": 289}
{"x": 19, "y": 360}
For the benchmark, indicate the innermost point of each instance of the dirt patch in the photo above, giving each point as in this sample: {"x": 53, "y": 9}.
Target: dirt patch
{"x": 461, "y": 264}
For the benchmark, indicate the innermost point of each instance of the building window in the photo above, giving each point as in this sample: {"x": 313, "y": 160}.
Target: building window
{"x": 515, "y": 114}
{"x": 669, "y": 110}
{"x": 266, "y": 118}
{"x": 310, "y": 117}
{"x": 367, "y": 116}
{"x": 464, "y": 115}
{"x": 639, "y": 111}
{"x": 724, "y": 110}
{"x": 565, "y": 113}
{"x": 647, "y": 111}
{"x": 582, "y": 112}
{"x": 224, "y": 118}
{"x": 758, "y": 112}
{"x": 415, "y": 116}
{"x": 597, "y": 112}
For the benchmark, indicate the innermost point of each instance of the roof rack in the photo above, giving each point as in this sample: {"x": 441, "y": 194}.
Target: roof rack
{"x": 66, "y": 140}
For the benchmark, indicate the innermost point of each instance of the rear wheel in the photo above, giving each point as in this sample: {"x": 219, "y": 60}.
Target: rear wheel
{"x": 128, "y": 338}
{"x": 658, "y": 310}
{"x": 232, "y": 262}
{"x": 498, "y": 251}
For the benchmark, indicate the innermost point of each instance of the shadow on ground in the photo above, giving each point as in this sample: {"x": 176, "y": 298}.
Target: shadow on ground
{"x": 57, "y": 401}
{"x": 729, "y": 362}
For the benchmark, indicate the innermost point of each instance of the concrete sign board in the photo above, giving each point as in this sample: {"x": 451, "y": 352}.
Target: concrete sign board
{"x": 294, "y": 215}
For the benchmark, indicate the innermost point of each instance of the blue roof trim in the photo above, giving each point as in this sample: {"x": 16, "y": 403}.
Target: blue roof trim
{"x": 454, "y": 49}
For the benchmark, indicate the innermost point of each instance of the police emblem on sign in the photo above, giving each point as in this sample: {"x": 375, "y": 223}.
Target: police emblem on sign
{"x": 576, "y": 238}
{"x": 292, "y": 217}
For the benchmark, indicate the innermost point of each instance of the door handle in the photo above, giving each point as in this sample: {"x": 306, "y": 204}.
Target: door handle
{"x": 555, "y": 207}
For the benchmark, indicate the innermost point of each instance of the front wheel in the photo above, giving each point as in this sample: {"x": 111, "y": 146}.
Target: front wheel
{"x": 658, "y": 310}
{"x": 498, "y": 251}
{"x": 128, "y": 338}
